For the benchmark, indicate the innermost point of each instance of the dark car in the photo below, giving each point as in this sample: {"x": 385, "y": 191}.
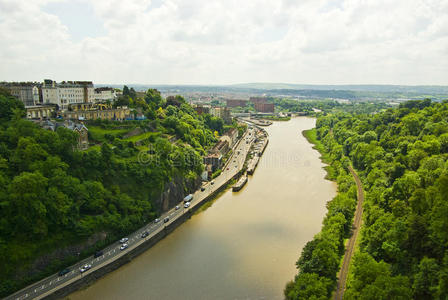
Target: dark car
{"x": 202, "y": 189}
{"x": 98, "y": 254}
{"x": 166, "y": 219}
{"x": 144, "y": 234}
{"x": 63, "y": 272}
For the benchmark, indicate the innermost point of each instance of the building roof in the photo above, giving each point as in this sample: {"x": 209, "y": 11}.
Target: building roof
{"x": 47, "y": 124}
{"x": 231, "y": 132}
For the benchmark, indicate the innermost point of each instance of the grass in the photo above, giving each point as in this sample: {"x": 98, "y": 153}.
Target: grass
{"x": 93, "y": 148}
{"x": 311, "y": 136}
{"x": 141, "y": 137}
{"x": 97, "y": 133}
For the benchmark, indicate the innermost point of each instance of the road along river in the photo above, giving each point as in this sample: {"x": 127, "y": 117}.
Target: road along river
{"x": 246, "y": 244}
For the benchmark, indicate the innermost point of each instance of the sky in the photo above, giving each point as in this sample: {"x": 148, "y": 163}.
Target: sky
{"x": 215, "y": 42}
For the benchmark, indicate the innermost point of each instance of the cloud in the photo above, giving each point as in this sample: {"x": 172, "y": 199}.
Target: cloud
{"x": 229, "y": 41}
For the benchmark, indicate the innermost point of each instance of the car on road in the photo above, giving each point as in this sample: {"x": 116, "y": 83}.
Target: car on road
{"x": 63, "y": 272}
{"x": 177, "y": 207}
{"x": 85, "y": 268}
{"x": 98, "y": 254}
{"x": 166, "y": 219}
{"x": 144, "y": 234}
{"x": 212, "y": 182}
{"x": 124, "y": 240}
{"x": 188, "y": 198}
{"x": 156, "y": 220}
{"x": 227, "y": 168}
{"x": 187, "y": 205}
{"x": 124, "y": 246}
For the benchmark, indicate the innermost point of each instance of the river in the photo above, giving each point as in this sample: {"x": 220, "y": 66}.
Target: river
{"x": 246, "y": 244}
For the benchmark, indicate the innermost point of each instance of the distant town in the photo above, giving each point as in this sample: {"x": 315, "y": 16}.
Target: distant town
{"x": 80, "y": 100}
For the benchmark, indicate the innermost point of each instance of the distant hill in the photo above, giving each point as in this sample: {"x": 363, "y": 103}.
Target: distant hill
{"x": 349, "y": 92}
{"x": 421, "y": 89}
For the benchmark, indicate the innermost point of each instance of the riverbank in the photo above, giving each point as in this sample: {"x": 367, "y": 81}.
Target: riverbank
{"x": 311, "y": 136}
{"x": 275, "y": 118}
{"x": 317, "y": 275}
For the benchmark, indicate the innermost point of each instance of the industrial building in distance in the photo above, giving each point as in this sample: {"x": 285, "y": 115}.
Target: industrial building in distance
{"x": 261, "y": 104}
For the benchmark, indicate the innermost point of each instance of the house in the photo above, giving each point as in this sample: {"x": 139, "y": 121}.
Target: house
{"x": 40, "y": 112}
{"x": 201, "y": 109}
{"x": 30, "y": 93}
{"x": 213, "y": 160}
{"x": 105, "y": 94}
{"x": 79, "y": 128}
{"x": 232, "y": 133}
{"x": 66, "y": 93}
{"x": 222, "y": 146}
{"x": 91, "y": 111}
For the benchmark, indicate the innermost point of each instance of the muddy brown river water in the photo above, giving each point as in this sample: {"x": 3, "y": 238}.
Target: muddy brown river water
{"x": 246, "y": 244}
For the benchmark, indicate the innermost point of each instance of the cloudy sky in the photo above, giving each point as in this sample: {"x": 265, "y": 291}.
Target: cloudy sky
{"x": 225, "y": 41}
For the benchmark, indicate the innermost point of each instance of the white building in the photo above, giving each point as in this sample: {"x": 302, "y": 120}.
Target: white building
{"x": 27, "y": 92}
{"x": 105, "y": 94}
{"x": 65, "y": 93}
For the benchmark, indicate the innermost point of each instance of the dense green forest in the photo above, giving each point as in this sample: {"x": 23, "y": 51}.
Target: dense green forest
{"x": 401, "y": 156}
{"x": 55, "y": 197}
{"x": 307, "y": 106}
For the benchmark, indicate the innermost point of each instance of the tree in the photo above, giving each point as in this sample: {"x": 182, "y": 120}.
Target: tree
{"x": 10, "y": 106}
{"x": 373, "y": 280}
{"x": 29, "y": 212}
{"x": 308, "y": 286}
{"x": 426, "y": 280}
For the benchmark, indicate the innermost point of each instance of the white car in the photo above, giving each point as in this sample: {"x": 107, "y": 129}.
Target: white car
{"x": 124, "y": 246}
{"x": 124, "y": 240}
{"x": 177, "y": 207}
{"x": 187, "y": 205}
{"x": 85, "y": 268}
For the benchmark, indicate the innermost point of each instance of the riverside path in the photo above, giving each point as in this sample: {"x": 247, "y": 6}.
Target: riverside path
{"x": 342, "y": 278}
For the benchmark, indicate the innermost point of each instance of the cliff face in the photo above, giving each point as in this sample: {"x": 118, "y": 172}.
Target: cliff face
{"x": 41, "y": 263}
{"x": 175, "y": 191}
